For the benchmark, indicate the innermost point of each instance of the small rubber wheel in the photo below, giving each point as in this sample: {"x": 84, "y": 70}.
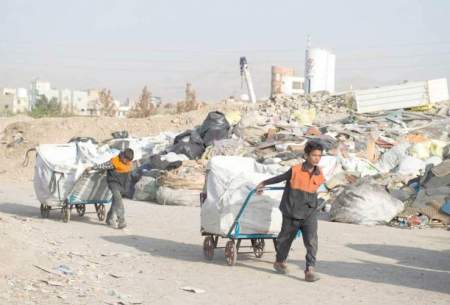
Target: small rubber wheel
{"x": 258, "y": 247}
{"x": 81, "y": 209}
{"x": 66, "y": 213}
{"x": 231, "y": 253}
{"x": 101, "y": 212}
{"x": 208, "y": 247}
{"x": 45, "y": 211}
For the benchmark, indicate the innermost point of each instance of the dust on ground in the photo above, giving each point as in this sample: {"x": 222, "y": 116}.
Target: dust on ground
{"x": 46, "y": 261}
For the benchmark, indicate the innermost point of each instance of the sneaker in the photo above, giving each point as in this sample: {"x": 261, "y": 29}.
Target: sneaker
{"x": 280, "y": 267}
{"x": 122, "y": 225}
{"x": 311, "y": 275}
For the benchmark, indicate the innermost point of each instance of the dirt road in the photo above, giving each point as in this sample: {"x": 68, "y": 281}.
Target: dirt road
{"x": 45, "y": 261}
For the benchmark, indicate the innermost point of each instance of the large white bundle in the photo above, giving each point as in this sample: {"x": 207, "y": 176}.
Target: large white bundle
{"x": 365, "y": 203}
{"x": 182, "y": 197}
{"x": 229, "y": 181}
{"x": 63, "y": 164}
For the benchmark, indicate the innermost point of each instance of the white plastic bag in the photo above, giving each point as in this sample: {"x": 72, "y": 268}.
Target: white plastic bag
{"x": 410, "y": 166}
{"x": 145, "y": 189}
{"x": 365, "y": 203}
{"x": 183, "y": 197}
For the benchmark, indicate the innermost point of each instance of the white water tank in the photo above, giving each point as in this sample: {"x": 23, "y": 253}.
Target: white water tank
{"x": 319, "y": 70}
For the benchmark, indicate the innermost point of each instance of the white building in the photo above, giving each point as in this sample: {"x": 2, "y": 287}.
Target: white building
{"x": 285, "y": 82}
{"x": 72, "y": 101}
{"x": 293, "y": 85}
{"x": 319, "y": 70}
{"x": 76, "y": 102}
{"x": 123, "y": 111}
{"x": 13, "y": 100}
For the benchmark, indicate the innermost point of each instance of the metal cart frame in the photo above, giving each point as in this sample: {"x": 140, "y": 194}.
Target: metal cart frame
{"x": 235, "y": 236}
{"x": 66, "y": 204}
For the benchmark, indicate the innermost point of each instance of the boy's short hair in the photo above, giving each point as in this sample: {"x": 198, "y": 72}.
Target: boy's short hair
{"x": 313, "y": 145}
{"x": 128, "y": 153}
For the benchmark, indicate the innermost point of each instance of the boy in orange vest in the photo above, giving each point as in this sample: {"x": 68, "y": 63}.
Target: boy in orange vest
{"x": 299, "y": 208}
{"x": 118, "y": 176}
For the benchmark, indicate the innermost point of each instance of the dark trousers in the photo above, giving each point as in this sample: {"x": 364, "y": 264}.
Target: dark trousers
{"x": 117, "y": 209}
{"x": 287, "y": 235}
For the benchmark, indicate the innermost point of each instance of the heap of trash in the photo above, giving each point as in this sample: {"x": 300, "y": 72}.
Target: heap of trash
{"x": 387, "y": 167}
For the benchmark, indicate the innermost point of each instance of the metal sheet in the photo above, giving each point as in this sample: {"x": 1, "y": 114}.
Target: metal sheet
{"x": 401, "y": 96}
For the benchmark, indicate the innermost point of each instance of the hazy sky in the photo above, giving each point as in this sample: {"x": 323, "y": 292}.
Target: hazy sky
{"x": 124, "y": 45}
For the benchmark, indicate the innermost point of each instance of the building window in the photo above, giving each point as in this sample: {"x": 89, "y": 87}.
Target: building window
{"x": 297, "y": 85}
{"x": 277, "y": 77}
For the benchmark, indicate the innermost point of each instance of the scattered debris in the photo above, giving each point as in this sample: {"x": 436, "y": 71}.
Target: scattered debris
{"x": 52, "y": 283}
{"x": 65, "y": 270}
{"x": 46, "y": 270}
{"x": 192, "y": 289}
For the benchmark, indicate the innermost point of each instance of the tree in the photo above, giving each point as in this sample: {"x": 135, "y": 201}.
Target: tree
{"x": 45, "y": 108}
{"x": 190, "y": 101}
{"x": 107, "y": 105}
{"x": 190, "y": 94}
{"x": 144, "y": 107}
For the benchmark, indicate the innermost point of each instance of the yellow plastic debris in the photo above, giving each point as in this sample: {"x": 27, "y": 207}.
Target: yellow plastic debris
{"x": 421, "y": 150}
{"x": 233, "y": 117}
{"x": 305, "y": 116}
{"x": 422, "y": 108}
{"x": 437, "y": 148}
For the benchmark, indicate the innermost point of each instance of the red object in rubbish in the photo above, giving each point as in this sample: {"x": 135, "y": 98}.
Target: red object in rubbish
{"x": 384, "y": 144}
{"x": 313, "y": 131}
{"x": 414, "y": 220}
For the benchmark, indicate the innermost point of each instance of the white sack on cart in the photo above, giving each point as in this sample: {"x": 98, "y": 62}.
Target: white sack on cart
{"x": 229, "y": 181}
{"x": 61, "y": 165}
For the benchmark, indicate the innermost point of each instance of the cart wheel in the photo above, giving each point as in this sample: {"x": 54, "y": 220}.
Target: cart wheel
{"x": 101, "y": 212}
{"x": 208, "y": 247}
{"x": 81, "y": 209}
{"x": 45, "y": 211}
{"x": 258, "y": 247}
{"x": 231, "y": 253}
{"x": 66, "y": 213}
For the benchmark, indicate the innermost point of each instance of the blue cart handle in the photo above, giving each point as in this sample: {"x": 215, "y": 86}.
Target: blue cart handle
{"x": 247, "y": 200}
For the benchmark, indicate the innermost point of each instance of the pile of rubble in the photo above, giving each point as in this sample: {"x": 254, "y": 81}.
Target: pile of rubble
{"x": 320, "y": 107}
{"x": 378, "y": 166}
{"x": 375, "y": 164}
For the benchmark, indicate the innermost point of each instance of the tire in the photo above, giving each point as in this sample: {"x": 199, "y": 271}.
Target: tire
{"x": 81, "y": 209}
{"x": 258, "y": 245}
{"x": 101, "y": 212}
{"x": 208, "y": 248}
{"x": 231, "y": 253}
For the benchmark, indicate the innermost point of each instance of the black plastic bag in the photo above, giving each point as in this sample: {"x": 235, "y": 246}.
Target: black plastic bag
{"x": 191, "y": 150}
{"x": 215, "y": 127}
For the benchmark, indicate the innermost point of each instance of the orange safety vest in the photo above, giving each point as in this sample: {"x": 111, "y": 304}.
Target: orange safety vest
{"x": 302, "y": 180}
{"x": 121, "y": 167}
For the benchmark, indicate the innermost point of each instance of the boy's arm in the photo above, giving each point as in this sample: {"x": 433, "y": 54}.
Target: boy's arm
{"x": 277, "y": 179}
{"x": 103, "y": 166}
{"x": 274, "y": 180}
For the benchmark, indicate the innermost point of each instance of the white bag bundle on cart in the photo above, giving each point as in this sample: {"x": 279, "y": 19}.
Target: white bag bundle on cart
{"x": 59, "y": 166}
{"x": 229, "y": 181}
